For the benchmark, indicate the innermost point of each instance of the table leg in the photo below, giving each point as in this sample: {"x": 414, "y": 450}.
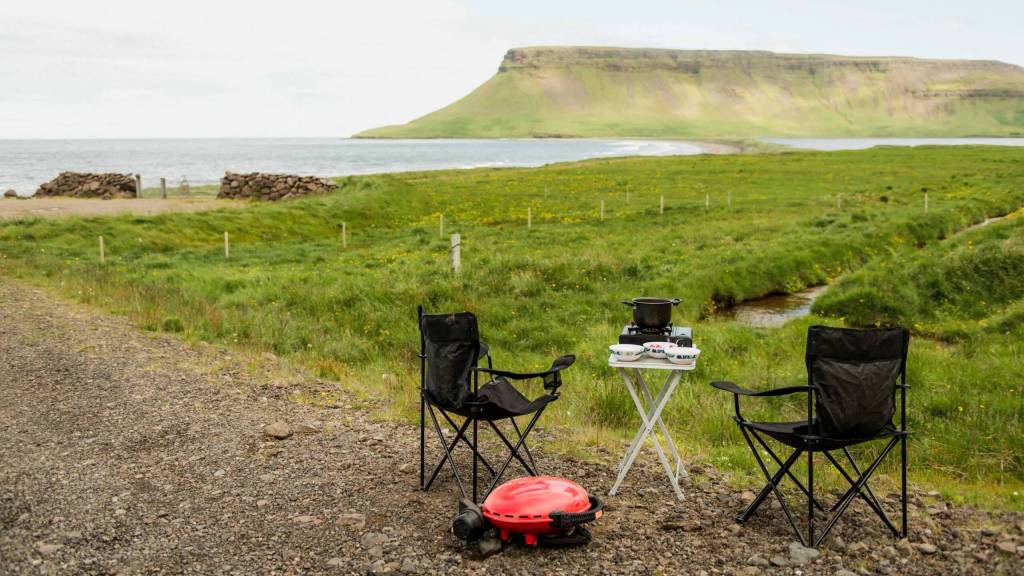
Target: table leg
{"x": 664, "y": 429}
{"x": 649, "y": 418}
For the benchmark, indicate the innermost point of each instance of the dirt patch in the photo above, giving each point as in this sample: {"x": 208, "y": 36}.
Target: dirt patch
{"x": 58, "y": 207}
{"x": 132, "y": 453}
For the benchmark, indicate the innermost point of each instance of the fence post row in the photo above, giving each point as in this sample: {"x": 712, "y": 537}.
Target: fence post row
{"x": 163, "y": 188}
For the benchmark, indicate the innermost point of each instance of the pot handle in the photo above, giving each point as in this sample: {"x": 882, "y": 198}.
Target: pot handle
{"x": 675, "y": 301}
{"x": 629, "y": 303}
{"x": 570, "y": 519}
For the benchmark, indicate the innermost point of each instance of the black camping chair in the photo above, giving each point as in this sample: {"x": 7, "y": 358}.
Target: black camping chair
{"x": 852, "y": 379}
{"x": 450, "y": 350}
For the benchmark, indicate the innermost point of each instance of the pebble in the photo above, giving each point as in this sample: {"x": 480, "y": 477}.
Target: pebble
{"x": 372, "y": 540}
{"x": 351, "y": 520}
{"x": 305, "y": 428}
{"x": 800, "y": 554}
{"x": 749, "y": 571}
{"x": 335, "y": 562}
{"x": 489, "y": 545}
{"x": 779, "y": 561}
{"x": 856, "y": 548}
{"x": 407, "y": 468}
{"x": 904, "y": 547}
{"x": 927, "y": 548}
{"x": 262, "y": 503}
{"x": 758, "y": 560}
{"x": 47, "y": 549}
{"x": 279, "y": 430}
{"x": 1007, "y": 546}
{"x": 845, "y": 572}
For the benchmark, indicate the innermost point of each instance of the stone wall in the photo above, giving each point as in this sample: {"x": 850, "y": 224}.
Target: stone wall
{"x": 262, "y": 186}
{"x": 87, "y": 185}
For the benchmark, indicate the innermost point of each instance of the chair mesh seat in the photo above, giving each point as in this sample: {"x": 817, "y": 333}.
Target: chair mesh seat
{"x": 794, "y": 434}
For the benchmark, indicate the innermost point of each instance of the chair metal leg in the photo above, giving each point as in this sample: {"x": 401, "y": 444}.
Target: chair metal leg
{"x": 515, "y": 452}
{"x": 869, "y": 497}
{"x": 773, "y": 485}
{"x": 476, "y": 456}
{"x": 788, "y": 472}
{"x": 447, "y": 455}
{"x": 850, "y": 494}
{"x": 526, "y": 446}
{"x": 903, "y": 484}
{"x": 459, "y": 432}
{"x": 810, "y": 496}
{"x": 423, "y": 440}
{"x": 466, "y": 441}
{"x": 529, "y": 469}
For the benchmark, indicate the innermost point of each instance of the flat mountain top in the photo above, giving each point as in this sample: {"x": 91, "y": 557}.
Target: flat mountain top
{"x": 590, "y": 91}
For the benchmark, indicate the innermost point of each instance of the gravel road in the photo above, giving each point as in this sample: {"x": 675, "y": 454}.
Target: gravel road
{"x": 126, "y": 452}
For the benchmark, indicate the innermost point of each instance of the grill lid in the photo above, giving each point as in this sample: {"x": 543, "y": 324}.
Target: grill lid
{"x": 535, "y": 497}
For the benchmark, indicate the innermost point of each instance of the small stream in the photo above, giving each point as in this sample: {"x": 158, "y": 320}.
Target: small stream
{"x": 775, "y": 310}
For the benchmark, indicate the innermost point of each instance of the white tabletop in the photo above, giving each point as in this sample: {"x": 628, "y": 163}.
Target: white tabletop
{"x": 651, "y": 363}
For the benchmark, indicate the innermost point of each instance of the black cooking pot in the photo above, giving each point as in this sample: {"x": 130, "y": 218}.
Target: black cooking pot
{"x": 652, "y": 312}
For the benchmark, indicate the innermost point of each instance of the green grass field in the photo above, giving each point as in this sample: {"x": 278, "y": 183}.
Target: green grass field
{"x": 349, "y": 314}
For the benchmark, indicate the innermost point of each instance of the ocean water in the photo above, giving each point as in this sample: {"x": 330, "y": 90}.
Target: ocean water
{"x": 864, "y": 143}
{"x": 25, "y": 164}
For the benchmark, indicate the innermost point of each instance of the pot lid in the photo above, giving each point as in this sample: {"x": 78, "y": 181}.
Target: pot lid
{"x": 535, "y": 496}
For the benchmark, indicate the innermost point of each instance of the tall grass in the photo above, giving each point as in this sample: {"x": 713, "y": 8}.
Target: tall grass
{"x": 348, "y": 314}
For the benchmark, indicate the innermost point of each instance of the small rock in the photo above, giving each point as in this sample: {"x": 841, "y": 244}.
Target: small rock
{"x": 376, "y": 552}
{"x": 351, "y": 520}
{"x": 279, "y": 430}
{"x": 407, "y": 468}
{"x": 11, "y": 194}
{"x": 306, "y": 428}
{"x": 980, "y": 556}
{"x": 734, "y": 528}
{"x": 758, "y": 560}
{"x": 904, "y": 547}
{"x": 305, "y": 519}
{"x": 335, "y": 562}
{"x": 409, "y": 566}
{"x": 799, "y": 554}
{"x": 47, "y": 549}
{"x": 218, "y": 473}
{"x": 262, "y": 503}
{"x": 845, "y": 572}
{"x": 779, "y": 561}
{"x": 1007, "y": 546}
{"x": 747, "y": 497}
{"x": 890, "y": 553}
{"x": 373, "y": 539}
{"x": 749, "y": 571}
{"x": 927, "y": 548}
{"x": 489, "y": 545}
{"x": 856, "y": 548}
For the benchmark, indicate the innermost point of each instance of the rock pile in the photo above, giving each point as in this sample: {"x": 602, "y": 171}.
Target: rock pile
{"x": 262, "y": 186}
{"x": 10, "y": 194}
{"x": 87, "y": 185}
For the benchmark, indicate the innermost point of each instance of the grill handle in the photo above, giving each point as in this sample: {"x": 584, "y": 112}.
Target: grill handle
{"x": 571, "y": 519}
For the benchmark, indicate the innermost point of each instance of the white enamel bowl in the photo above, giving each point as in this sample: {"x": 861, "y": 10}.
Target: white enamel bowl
{"x": 657, "y": 349}
{"x": 626, "y": 352}
{"x": 684, "y": 355}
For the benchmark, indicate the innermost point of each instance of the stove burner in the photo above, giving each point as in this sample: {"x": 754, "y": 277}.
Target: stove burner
{"x": 634, "y": 329}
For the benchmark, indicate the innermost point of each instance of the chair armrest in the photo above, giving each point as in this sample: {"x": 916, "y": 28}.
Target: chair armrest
{"x": 557, "y": 366}
{"x": 732, "y": 387}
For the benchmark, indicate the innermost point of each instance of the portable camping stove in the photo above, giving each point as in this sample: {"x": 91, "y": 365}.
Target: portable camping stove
{"x": 633, "y": 334}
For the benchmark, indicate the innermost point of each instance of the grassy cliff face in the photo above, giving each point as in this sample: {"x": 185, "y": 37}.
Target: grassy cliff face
{"x": 594, "y": 92}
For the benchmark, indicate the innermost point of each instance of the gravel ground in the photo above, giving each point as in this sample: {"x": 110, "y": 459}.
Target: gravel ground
{"x": 131, "y": 453}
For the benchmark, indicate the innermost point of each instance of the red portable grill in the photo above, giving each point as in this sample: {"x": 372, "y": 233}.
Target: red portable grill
{"x": 540, "y": 506}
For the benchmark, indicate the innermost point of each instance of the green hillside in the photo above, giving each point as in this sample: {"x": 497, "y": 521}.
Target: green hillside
{"x": 595, "y": 92}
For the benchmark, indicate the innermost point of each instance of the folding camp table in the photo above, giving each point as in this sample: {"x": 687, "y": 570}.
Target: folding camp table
{"x": 650, "y": 408}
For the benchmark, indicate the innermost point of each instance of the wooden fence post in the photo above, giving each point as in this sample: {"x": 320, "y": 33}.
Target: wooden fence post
{"x": 138, "y": 185}
{"x": 839, "y": 200}
{"x": 661, "y": 206}
{"x": 602, "y": 210}
{"x": 707, "y": 201}
{"x": 103, "y": 256}
{"x": 456, "y": 253}
{"x": 529, "y": 217}
{"x": 925, "y": 201}
{"x": 728, "y": 198}
{"x": 227, "y": 247}
{"x": 441, "y": 224}
{"x": 344, "y": 235}
{"x": 163, "y": 188}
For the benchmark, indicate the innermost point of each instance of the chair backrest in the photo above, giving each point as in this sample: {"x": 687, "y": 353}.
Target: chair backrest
{"x": 450, "y": 345}
{"x": 854, "y": 374}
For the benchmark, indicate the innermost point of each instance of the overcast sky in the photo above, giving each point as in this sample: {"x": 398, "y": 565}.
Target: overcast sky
{"x": 130, "y": 68}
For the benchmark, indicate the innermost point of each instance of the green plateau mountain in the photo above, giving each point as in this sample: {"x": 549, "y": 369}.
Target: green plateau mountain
{"x": 616, "y": 92}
